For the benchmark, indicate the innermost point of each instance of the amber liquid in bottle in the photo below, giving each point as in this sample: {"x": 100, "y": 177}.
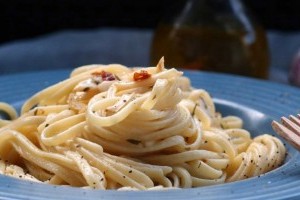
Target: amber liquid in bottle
{"x": 212, "y": 48}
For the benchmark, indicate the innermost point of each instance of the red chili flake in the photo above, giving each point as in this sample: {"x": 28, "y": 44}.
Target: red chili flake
{"x": 142, "y": 75}
{"x": 106, "y": 76}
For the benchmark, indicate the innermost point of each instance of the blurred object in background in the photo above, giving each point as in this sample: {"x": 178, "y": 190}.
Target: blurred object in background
{"x": 51, "y": 35}
{"x": 294, "y": 72}
{"x": 21, "y": 19}
{"x": 212, "y": 35}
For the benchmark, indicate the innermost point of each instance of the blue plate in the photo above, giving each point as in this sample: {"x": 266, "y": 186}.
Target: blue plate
{"x": 257, "y": 102}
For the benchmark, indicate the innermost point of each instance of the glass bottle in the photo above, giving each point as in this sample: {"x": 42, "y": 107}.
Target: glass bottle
{"x": 212, "y": 35}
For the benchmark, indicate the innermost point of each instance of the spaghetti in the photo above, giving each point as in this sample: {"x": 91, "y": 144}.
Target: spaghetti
{"x": 113, "y": 127}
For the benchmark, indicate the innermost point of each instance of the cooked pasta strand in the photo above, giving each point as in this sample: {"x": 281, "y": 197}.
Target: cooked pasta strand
{"x": 114, "y": 127}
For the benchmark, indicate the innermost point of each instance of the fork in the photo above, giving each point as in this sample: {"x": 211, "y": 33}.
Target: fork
{"x": 289, "y": 129}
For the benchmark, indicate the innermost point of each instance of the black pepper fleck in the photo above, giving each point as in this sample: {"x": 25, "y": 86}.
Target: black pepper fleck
{"x": 86, "y": 89}
{"x": 199, "y": 164}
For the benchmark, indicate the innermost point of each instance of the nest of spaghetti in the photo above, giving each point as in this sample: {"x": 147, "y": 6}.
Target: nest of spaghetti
{"x": 115, "y": 127}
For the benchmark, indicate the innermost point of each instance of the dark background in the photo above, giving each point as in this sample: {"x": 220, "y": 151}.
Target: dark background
{"x": 24, "y": 19}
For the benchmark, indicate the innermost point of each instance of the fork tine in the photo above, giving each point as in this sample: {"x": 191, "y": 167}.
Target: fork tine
{"x": 287, "y": 134}
{"x": 291, "y": 125}
{"x": 294, "y": 119}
